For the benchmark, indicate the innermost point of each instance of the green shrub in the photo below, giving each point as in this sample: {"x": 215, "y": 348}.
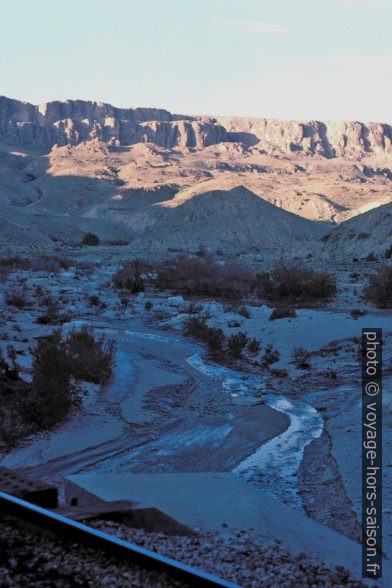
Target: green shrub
{"x": 214, "y": 339}
{"x": 9, "y": 369}
{"x": 232, "y": 346}
{"x": 54, "y": 391}
{"x": 128, "y": 277}
{"x": 357, "y": 312}
{"x": 201, "y": 252}
{"x": 253, "y": 346}
{"x": 52, "y": 314}
{"x": 49, "y": 263}
{"x": 195, "y": 327}
{"x": 236, "y": 344}
{"x": 58, "y": 365}
{"x": 91, "y": 359}
{"x": 270, "y": 356}
{"x": 198, "y": 329}
{"x": 301, "y": 358}
{"x": 14, "y": 263}
{"x": 203, "y": 277}
{"x": 11, "y": 264}
{"x": 13, "y": 390}
{"x": 90, "y": 239}
{"x": 16, "y": 297}
{"x": 298, "y": 284}
{"x": 35, "y": 263}
{"x": 243, "y": 311}
{"x": 379, "y": 288}
{"x": 388, "y": 252}
{"x": 96, "y": 301}
{"x": 279, "y": 313}
{"x": 124, "y": 302}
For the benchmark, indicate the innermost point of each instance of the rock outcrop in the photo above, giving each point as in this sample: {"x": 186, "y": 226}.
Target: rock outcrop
{"x": 327, "y": 139}
{"x": 74, "y": 121}
{"x": 158, "y": 180}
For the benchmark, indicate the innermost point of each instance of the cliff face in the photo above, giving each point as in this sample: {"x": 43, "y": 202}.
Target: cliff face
{"x": 328, "y": 139}
{"x": 73, "y": 121}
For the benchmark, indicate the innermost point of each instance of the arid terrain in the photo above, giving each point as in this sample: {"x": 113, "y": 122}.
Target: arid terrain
{"x": 159, "y": 180}
{"x": 225, "y": 195}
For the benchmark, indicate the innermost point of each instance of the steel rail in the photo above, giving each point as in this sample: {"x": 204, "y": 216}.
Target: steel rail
{"x": 133, "y": 554}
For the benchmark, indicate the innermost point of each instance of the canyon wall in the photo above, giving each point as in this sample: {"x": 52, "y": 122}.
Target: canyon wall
{"x": 74, "y": 121}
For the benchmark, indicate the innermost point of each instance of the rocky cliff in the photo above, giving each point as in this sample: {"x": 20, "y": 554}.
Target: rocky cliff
{"x": 328, "y": 139}
{"x": 74, "y": 121}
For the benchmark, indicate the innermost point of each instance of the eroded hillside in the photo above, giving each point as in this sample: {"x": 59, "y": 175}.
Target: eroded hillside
{"x": 159, "y": 180}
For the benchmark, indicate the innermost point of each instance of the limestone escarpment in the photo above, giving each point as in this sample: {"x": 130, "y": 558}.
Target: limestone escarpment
{"x": 74, "y": 121}
{"x": 327, "y": 139}
{"x": 159, "y": 180}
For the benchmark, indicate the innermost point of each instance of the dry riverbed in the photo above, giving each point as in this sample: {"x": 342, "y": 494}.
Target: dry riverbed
{"x": 171, "y": 408}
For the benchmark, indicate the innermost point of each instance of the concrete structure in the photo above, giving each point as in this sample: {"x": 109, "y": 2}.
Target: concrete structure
{"x": 224, "y": 503}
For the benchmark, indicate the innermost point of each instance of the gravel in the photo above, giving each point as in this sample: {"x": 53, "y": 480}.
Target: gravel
{"x": 242, "y": 558}
{"x": 35, "y": 558}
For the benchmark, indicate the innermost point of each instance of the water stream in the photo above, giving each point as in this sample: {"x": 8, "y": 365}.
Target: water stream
{"x": 274, "y": 465}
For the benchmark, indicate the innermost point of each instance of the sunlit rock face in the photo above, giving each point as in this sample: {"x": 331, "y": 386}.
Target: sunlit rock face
{"x": 160, "y": 180}
{"x": 328, "y": 139}
{"x": 74, "y": 121}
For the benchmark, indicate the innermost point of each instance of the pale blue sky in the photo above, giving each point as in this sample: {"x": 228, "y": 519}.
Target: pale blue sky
{"x": 300, "y": 59}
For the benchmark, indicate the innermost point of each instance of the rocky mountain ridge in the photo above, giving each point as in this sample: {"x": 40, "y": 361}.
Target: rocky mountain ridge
{"x": 158, "y": 180}
{"x": 74, "y": 121}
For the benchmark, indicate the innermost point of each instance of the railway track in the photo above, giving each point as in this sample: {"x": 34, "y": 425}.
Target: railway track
{"x": 79, "y": 533}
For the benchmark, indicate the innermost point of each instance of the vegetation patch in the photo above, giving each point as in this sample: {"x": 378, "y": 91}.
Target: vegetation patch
{"x": 295, "y": 284}
{"x": 388, "y": 252}
{"x": 91, "y": 358}
{"x": 280, "y": 313}
{"x": 379, "y": 288}
{"x": 52, "y": 314}
{"x": 270, "y": 356}
{"x": 301, "y": 358}
{"x": 90, "y": 239}
{"x": 129, "y": 277}
{"x": 214, "y": 338}
{"x": 357, "y": 312}
{"x": 59, "y": 366}
{"x": 16, "y": 297}
{"x": 35, "y": 263}
{"x": 198, "y": 329}
{"x": 203, "y": 277}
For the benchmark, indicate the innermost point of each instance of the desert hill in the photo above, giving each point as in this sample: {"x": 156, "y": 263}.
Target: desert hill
{"x": 369, "y": 233}
{"x": 230, "y": 220}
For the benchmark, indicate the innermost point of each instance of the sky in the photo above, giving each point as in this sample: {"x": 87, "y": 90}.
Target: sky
{"x": 285, "y": 59}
